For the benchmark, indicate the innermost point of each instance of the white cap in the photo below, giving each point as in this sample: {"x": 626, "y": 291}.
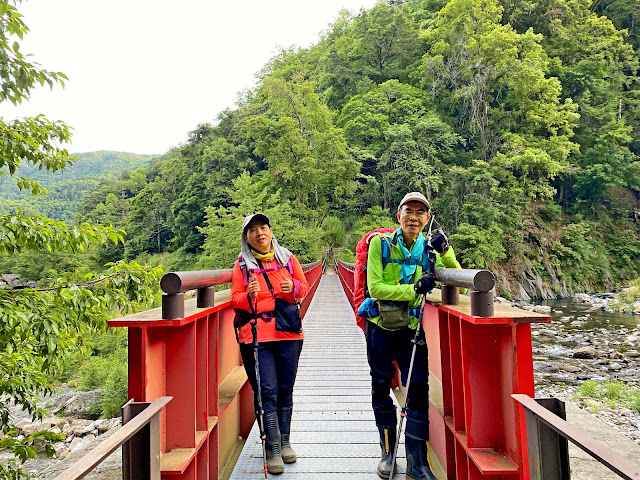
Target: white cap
{"x": 414, "y": 197}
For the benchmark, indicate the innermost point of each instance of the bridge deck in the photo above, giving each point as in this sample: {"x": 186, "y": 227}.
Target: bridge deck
{"x": 333, "y": 430}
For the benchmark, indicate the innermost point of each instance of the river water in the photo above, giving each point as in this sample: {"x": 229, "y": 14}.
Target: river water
{"x": 596, "y": 319}
{"x": 614, "y": 337}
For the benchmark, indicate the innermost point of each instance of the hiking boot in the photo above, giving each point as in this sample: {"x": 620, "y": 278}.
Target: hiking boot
{"x": 387, "y": 444}
{"x": 417, "y": 459}
{"x": 275, "y": 465}
{"x": 284, "y": 422}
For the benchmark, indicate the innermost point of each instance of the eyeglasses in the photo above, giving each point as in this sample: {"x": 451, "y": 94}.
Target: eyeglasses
{"x": 411, "y": 213}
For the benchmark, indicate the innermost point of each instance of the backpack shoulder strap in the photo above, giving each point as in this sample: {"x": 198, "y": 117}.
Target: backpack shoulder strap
{"x": 243, "y": 268}
{"x": 385, "y": 250}
{"x": 290, "y": 267}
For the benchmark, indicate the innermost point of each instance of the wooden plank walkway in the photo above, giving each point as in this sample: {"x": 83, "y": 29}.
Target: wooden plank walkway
{"x": 333, "y": 430}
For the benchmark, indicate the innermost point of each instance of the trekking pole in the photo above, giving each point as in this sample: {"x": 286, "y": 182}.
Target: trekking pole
{"x": 403, "y": 412}
{"x": 254, "y": 333}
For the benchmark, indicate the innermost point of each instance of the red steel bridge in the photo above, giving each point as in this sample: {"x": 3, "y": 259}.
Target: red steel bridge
{"x": 191, "y": 409}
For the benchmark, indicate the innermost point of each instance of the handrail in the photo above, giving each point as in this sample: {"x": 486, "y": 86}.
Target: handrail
{"x": 347, "y": 265}
{"x": 179, "y": 282}
{"x": 174, "y": 284}
{"x": 96, "y": 456}
{"x": 611, "y": 459}
{"x": 479, "y": 282}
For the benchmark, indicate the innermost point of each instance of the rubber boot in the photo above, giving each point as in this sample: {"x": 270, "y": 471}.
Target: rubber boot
{"x": 284, "y": 422}
{"x": 415, "y": 442}
{"x": 417, "y": 459}
{"x": 275, "y": 465}
{"x": 387, "y": 444}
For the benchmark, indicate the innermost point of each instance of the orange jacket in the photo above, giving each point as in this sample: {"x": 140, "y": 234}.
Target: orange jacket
{"x": 267, "y": 327}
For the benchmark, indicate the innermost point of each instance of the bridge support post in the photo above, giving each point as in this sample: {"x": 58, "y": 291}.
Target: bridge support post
{"x": 189, "y": 352}
{"x": 173, "y": 306}
{"x": 481, "y": 303}
{"x": 450, "y": 295}
{"x": 548, "y": 450}
{"x": 141, "y": 453}
{"x": 479, "y": 355}
{"x": 205, "y": 297}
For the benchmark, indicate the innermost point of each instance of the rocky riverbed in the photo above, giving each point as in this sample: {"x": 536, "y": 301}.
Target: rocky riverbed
{"x": 67, "y": 410}
{"x": 587, "y": 340}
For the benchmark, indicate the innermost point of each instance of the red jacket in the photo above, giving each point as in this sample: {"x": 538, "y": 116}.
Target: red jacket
{"x": 267, "y": 327}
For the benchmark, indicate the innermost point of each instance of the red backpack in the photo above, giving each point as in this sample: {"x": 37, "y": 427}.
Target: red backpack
{"x": 360, "y": 274}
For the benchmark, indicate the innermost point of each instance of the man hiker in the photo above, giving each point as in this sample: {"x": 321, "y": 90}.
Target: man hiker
{"x": 399, "y": 274}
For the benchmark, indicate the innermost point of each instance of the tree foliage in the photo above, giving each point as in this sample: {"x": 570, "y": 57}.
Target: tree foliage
{"x": 41, "y": 327}
{"x": 517, "y": 118}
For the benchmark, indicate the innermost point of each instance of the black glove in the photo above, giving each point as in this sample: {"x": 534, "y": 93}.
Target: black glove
{"x": 439, "y": 241}
{"x": 425, "y": 283}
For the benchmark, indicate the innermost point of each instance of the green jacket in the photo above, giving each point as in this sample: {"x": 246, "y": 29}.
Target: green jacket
{"x": 383, "y": 284}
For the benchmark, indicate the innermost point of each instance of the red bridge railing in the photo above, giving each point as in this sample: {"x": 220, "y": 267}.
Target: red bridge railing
{"x": 476, "y": 363}
{"x": 190, "y": 353}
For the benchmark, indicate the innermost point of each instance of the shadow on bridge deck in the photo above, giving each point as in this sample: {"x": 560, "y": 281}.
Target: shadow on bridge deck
{"x": 333, "y": 429}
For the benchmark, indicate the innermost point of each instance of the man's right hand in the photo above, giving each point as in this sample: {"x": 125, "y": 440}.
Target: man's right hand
{"x": 253, "y": 288}
{"x": 425, "y": 283}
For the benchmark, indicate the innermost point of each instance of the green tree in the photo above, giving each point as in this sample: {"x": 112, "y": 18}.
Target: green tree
{"x": 375, "y": 46}
{"x": 406, "y": 142}
{"x": 306, "y": 153}
{"x": 494, "y": 80}
{"x": 40, "y": 327}
{"x": 201, "y": 181}
{"x": 250, "y": 195}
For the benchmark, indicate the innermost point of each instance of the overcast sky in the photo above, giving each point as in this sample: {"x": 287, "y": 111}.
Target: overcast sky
{"x": 143, "y": 73}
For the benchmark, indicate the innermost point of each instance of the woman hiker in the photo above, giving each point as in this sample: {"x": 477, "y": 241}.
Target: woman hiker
{"x": 266, "y": 285}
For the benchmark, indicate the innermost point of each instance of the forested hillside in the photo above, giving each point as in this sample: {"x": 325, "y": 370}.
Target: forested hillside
{"x": 66, "y": 189}
{"x": 519, "y": 120}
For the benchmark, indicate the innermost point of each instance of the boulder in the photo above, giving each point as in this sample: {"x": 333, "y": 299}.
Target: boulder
{"x": 546, "y": 309}
{"x": 571, "y": 368}
{"x": 74, "y": 442}
{"x": 547, "y": 332}
{"x": 582, "y": 298}
{"x": 585, "y": 352}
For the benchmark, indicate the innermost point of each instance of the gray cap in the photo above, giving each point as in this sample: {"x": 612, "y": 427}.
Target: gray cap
{"x": 415, "y": 197}
{"x": 254, "y": 218}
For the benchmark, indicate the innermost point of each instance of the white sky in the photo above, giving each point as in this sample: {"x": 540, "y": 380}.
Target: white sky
{"x": 143, "y": 73}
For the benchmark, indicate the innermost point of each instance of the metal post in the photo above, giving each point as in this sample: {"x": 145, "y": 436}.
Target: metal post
{"x": 141, "y": 453}
{"x": 548, "y": 450}
{"x": 481, "y": 303}
{"x": 173, "y": 306}
{"x": 205, "y": 297}
{"x": 450, "y": 295}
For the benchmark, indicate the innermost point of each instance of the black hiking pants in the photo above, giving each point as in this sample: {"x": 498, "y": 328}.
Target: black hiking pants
{"x": 383, "y": 347}
{"x": 278, "y": 368}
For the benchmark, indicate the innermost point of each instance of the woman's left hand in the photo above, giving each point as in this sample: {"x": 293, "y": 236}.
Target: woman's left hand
{"x": 286, "y": 286}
